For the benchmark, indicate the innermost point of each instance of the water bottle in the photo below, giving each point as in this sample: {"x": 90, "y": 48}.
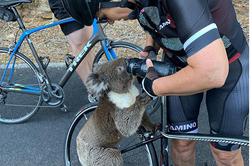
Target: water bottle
{"x": 138, "y": 67}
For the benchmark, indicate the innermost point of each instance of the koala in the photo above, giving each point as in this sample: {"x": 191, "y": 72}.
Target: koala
{"x": 119, "y": 113}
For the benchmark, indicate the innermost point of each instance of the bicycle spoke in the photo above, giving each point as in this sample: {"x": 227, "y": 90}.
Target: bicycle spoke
{"x": 39, "y": 106}
{"x": 135, "y": 152}
{"x": 20, "y": 96}
{"x": 130, "y": 142}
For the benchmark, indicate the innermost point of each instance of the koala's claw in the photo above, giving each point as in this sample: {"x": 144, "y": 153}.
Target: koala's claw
{"x": 158, "y": 127}
{"x": 148, "y": 131}
{"x": 152, "y": 127}
{"x": 144, "y": 98}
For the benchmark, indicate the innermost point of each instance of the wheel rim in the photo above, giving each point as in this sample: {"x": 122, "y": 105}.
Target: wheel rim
{"x": 137, "y": 157}
{"x": 19, "y": 107}
{"x": 122, "y": 49}
{"x": 130, "y": 158}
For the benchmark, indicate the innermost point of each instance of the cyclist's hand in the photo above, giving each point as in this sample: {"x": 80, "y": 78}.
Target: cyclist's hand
{"x": 149, "y": 52}
{"x": 150, "y": 77}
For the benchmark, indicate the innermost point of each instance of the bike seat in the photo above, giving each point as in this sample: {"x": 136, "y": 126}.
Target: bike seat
{"x": 8, "y": 3}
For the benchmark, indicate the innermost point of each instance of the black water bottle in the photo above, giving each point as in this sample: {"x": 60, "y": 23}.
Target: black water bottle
{"x": 138, "y": 67}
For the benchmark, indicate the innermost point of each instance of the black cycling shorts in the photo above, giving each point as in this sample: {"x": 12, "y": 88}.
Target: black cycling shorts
{"x": 227, "y": 106}
{"x": 60, "y": 13}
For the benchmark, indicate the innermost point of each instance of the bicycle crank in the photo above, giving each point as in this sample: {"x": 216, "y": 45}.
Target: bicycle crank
{"x": 55, "y": 97}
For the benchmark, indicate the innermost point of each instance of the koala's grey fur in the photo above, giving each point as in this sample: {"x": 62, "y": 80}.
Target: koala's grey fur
{"x": 114, "y": 117}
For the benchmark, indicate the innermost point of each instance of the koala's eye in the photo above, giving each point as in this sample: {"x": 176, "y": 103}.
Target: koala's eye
{"x": 120, "y": 69}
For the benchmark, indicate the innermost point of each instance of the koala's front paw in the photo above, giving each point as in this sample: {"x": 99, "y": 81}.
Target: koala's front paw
{"x": 144, "y": 99}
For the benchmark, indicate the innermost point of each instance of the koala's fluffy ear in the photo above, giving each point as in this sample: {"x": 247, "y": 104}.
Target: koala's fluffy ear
{"x": 96, "y": 83}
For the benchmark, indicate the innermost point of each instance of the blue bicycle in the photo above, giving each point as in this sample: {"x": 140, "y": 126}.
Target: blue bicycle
{"x": 25, "y": 84}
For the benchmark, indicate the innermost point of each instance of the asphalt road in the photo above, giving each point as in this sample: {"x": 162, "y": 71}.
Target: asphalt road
{"x": 40, "y": 140}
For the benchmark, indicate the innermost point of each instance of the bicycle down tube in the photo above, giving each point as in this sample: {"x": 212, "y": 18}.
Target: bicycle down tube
{"x": 25, "y": 35}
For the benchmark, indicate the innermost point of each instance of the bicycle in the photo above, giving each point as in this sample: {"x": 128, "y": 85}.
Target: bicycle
{"x": 143, "y": 148}
{"x": 21, "y": 97}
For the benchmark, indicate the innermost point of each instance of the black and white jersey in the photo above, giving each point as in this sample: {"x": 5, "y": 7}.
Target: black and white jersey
{"x": 192, "y": 24}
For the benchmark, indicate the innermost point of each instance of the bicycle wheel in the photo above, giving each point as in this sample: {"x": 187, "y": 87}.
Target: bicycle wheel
{"x": 120, "y": 48}
{"x": 16, "y": 107}
{"x": 141, "y": 156}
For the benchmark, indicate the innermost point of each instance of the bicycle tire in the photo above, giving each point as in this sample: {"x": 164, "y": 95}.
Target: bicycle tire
{"x": 72, "y": 160}
{"x": 14, "y": 110}
{"x": 118, "y": 44}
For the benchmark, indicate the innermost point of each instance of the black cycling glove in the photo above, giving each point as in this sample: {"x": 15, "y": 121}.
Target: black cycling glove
{"x": 152, "y": 52}
{"x": 148, "y": 81}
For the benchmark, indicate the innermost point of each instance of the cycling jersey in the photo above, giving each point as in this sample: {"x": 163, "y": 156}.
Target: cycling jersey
{"x": 192, "y": 25}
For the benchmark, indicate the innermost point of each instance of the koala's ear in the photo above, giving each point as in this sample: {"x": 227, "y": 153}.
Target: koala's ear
{"x": 97, "y": 67}
{"x": 120, "y": 69}
{"x": 96, "y": 84}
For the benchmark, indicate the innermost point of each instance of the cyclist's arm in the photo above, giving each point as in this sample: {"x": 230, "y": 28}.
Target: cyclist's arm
{"x": 149, "y": 42}
{"x": 206, "y": 69}
{"x": 207, "y": 62}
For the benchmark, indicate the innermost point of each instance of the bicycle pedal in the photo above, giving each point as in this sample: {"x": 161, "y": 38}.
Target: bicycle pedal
{"x": 64, "y": 108}
{"x": 68, "y": 59}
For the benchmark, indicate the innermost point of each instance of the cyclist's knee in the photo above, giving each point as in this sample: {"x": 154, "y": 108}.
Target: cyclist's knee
{"x": 223, "y": 156}
{"x": 183, "y": 152}
{"x": 78, "y": 38}
{"x": 225, "y": 146}
{"x": 181, "y": 146}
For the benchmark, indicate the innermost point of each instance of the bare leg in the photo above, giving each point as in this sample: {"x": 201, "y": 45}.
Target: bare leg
{"x": 77, "y": 39}
{"x": 183, "y": 152}
{"x": 227, "y": 158}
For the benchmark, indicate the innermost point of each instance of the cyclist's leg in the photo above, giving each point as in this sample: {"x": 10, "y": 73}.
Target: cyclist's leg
{"x": 76, "y": 40}
{"x": 228, "y": 110}
{"x": 182, "y": 117}
{"x": 77, "y": 35}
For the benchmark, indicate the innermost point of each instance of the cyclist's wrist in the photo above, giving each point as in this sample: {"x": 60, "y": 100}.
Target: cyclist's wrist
{"x": 148, "y": 81}
{"x": 150, "y": 48}
{"x": 149, "y": 52}
{"x": 147, "y": 85}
